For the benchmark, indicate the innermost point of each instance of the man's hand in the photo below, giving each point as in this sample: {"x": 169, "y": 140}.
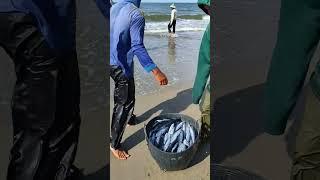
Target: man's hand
{"x": 160, "y": 77}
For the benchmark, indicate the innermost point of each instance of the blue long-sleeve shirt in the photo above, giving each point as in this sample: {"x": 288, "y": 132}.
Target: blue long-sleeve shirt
{"x": 56, "y": 19}
{"x": 126, "y": 37}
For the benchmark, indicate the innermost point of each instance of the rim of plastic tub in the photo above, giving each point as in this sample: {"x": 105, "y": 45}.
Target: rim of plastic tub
{"x": 196, "y": 140}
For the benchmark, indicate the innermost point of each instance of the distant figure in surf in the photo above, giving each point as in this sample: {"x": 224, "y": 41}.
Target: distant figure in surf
{"x": 172, "y": 22}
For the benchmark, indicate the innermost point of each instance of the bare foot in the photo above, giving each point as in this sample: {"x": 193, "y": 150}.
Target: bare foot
{"x": 119, "y": 154}
{"x": 133, "y": 121}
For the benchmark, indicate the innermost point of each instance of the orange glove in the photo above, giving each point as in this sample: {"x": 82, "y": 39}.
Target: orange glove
{"x": 160, "y": 77}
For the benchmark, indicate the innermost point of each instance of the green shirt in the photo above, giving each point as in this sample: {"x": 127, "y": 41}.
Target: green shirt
{"x": 203, "y": 69}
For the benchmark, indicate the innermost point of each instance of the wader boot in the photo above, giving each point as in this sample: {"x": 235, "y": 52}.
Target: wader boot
{"x": 45, "y": 102}
{"x": 306, "y": 160}
{"x": 124, "y": 100}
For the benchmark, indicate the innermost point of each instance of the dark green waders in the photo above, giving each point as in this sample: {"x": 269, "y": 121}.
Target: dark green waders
{"x": 306, "y": 159}
{"x": 298, "y": 37}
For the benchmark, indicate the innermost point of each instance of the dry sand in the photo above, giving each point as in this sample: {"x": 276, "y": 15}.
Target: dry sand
{"x": 141, "y": 165}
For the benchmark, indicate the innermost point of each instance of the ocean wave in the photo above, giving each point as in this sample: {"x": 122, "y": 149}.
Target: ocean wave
{"x": 185, "y": 29}
{"x": 161, "y": 18}
{"x": 182, "y": 26}
{"x": 206, "y": 17}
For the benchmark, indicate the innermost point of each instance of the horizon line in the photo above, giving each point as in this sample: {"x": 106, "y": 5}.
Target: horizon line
{"x": 169, "y": 2}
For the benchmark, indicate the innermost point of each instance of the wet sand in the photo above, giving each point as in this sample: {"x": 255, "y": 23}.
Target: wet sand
{"x": 141, "y": 165}
{"x": 245, "y": 36}
{"x": 175, "y": 56}
{"x": 92, "y": 151}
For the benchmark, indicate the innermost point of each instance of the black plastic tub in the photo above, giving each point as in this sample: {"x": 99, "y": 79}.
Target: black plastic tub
{"x": 169, "y": 161}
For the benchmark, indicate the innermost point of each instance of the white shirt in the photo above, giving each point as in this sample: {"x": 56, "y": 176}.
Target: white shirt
{"x": 173, "y": 15}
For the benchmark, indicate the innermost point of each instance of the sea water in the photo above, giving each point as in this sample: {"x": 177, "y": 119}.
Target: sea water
{"x": 189, "y": 17}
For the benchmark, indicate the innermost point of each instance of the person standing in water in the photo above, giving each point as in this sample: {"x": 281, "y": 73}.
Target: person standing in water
{"x": 173, "y": 18}
{"x": 126, "y": 40}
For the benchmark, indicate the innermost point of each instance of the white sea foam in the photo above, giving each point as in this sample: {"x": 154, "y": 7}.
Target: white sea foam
{"x": 183, "y": 25}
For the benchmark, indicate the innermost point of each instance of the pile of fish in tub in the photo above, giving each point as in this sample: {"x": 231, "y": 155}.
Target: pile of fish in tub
{"x": 172, "y": 135}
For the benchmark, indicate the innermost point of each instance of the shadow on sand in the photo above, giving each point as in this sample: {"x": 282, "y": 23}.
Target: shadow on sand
{"x": 174, "y": 105}
{"x": 236, "y": 121}
{"x": 103, "y": 173}
{"x": 220, "y": 172}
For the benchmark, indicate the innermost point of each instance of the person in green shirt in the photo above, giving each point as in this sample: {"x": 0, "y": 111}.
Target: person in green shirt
{"x": 298, "y": 36}
{"x": 201, "y": 87}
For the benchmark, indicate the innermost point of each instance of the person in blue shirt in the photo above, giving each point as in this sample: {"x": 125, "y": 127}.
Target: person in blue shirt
{"x": 126, "y": 41}
{"x": 39, "y": 36}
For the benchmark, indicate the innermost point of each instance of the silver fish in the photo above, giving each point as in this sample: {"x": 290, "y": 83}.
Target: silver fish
{"x": 179, "y": 126}
{"x": 151, "y": 132}
{"x": 162, "y": 120}
{"x": 175, "y": 136}
{"x": 184, "y": 129}
{"x": 171, "y": 145}
{"x": 160, "y": 125}
{"x": 158, "y": 139}
{"x": 185, "y": 142}
{"x": 175, "y": 147}
{"x": 153, "y": 139}
{"x": 171, "y": 129}
{"x": 161, "y": 131}
{"x": 181, "y": 147}
{"x": 156, "y": 123}
{"x": 166, "y": 146}
{"x": 187, "y": 132}
{"x": 183, "y": 125}
{"x": 192, "y": 134}
{"x": 166, "y": 137}
{"x": 180, "y": 138}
